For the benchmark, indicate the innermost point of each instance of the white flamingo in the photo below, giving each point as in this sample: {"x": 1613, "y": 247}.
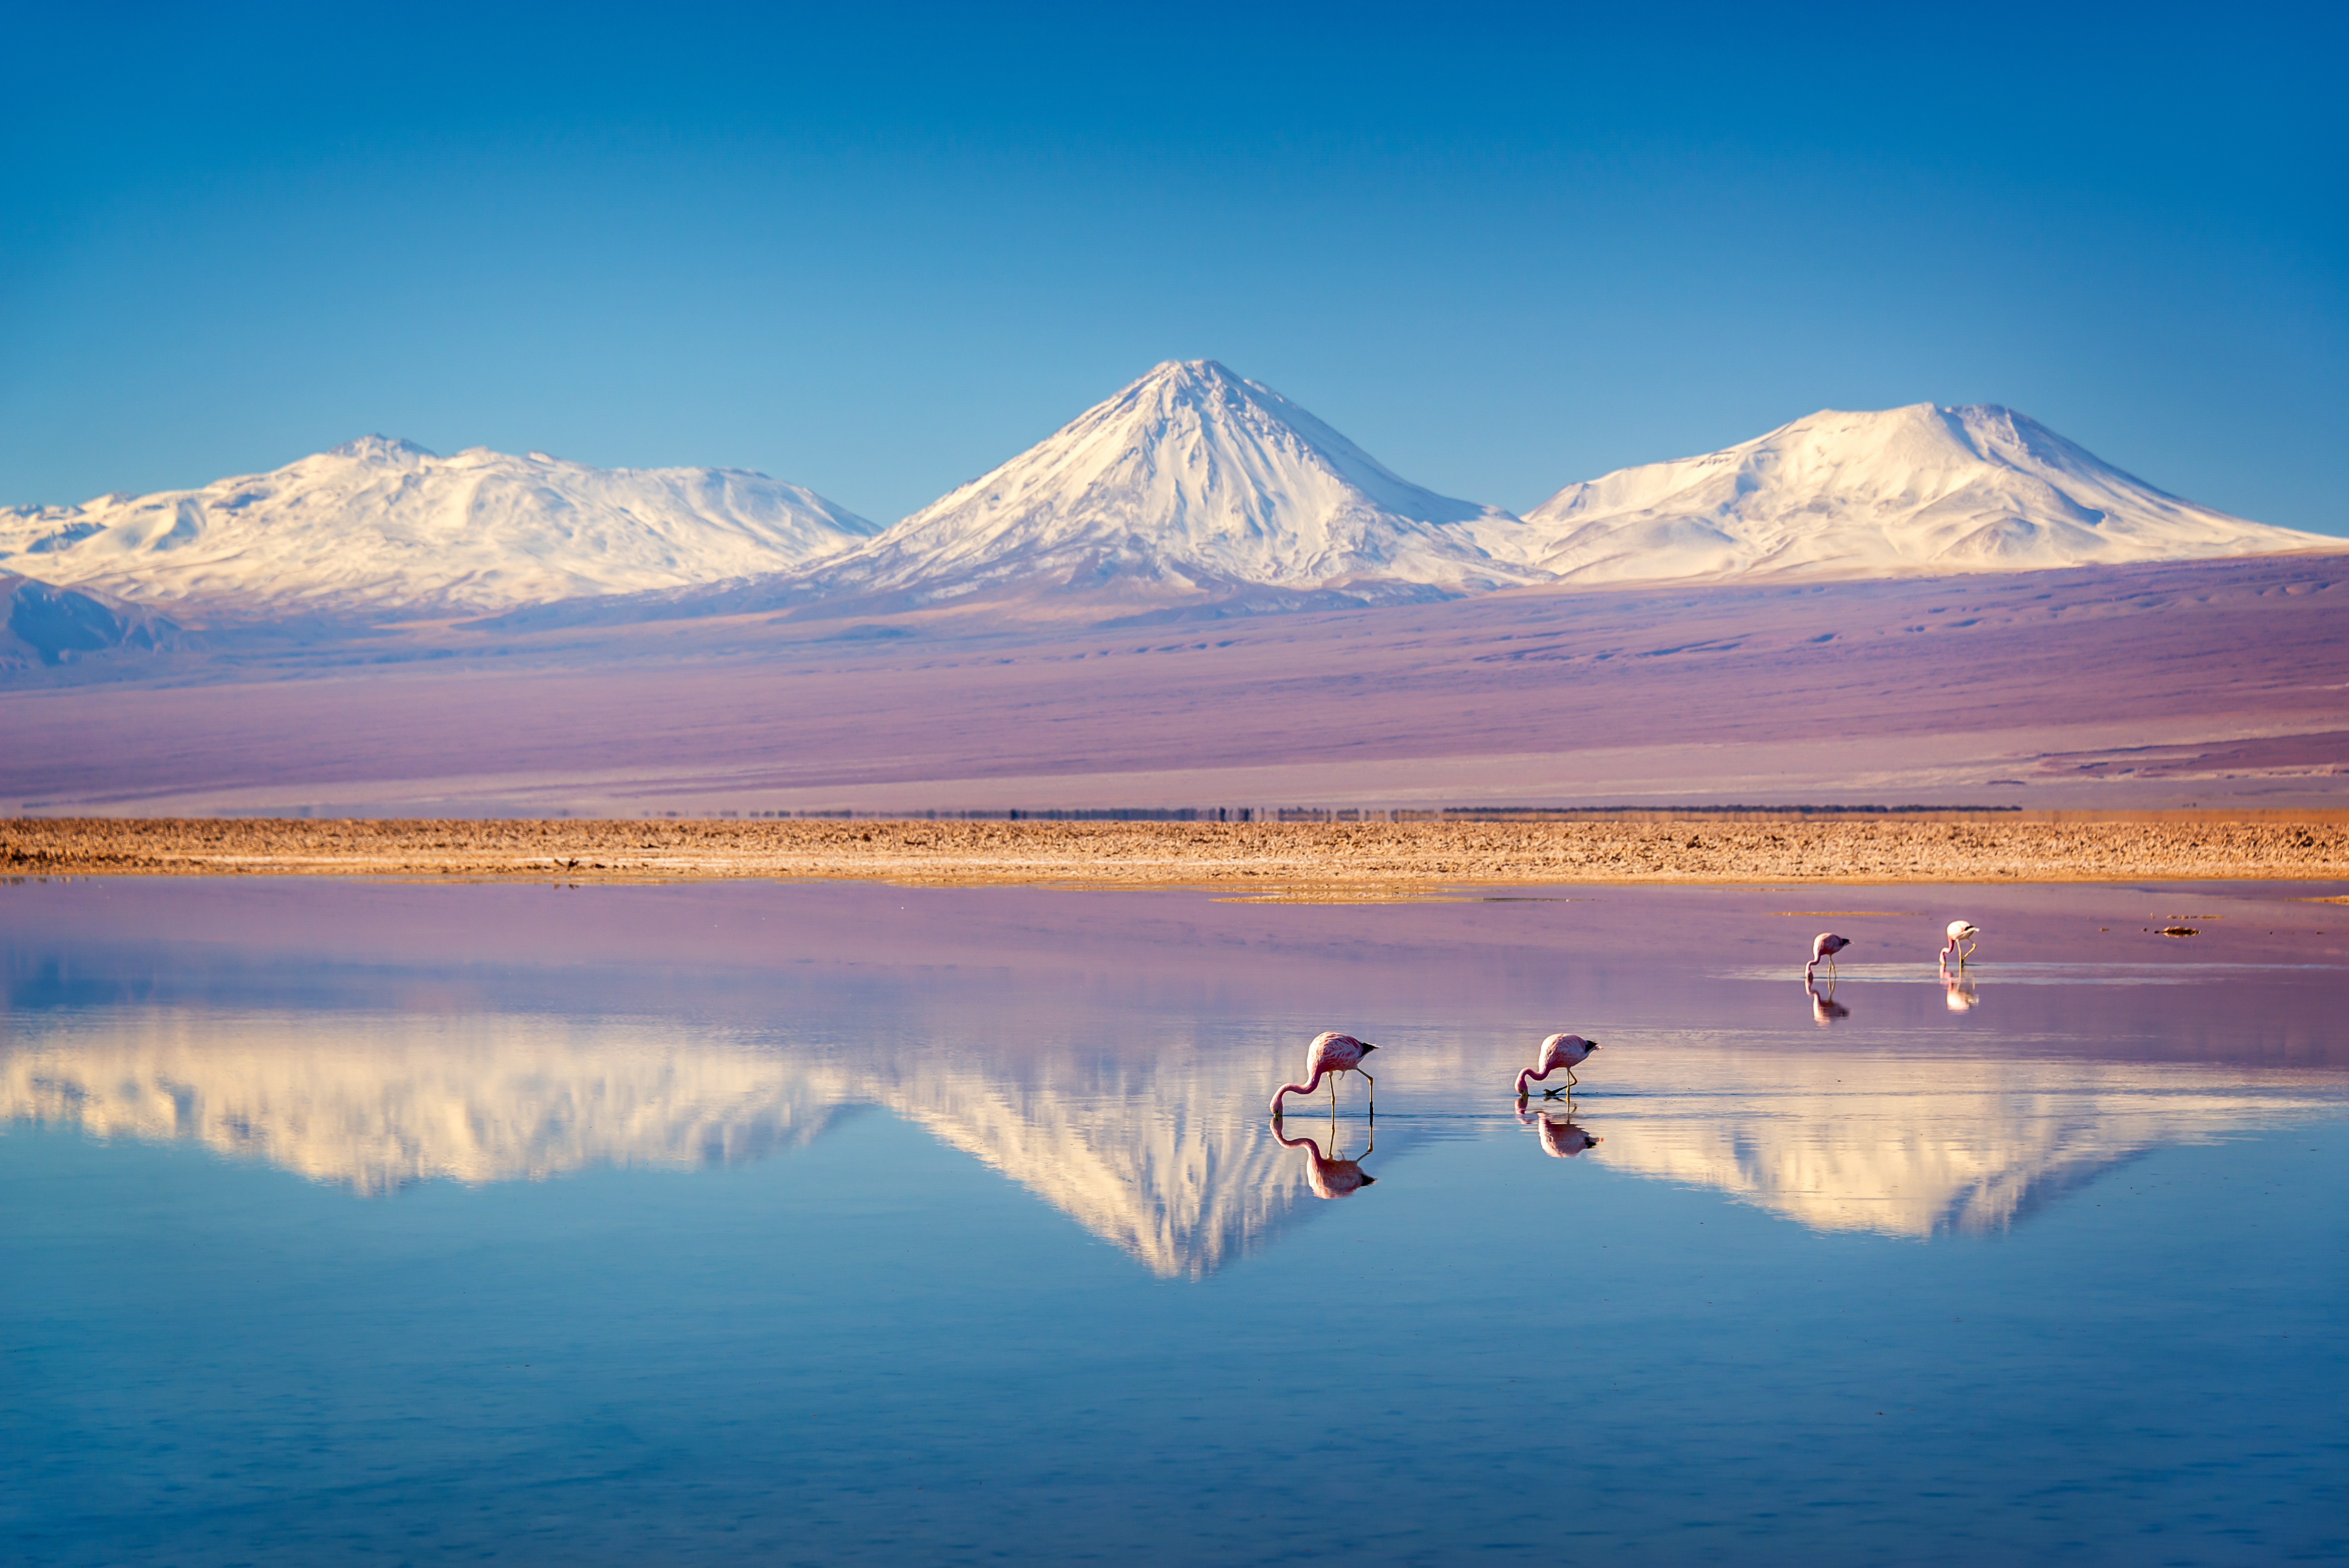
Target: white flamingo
{"x": 1558, "y": 1051}
{"x": 1824, "y": 947}
{"x": 1330, "y": 1054}
{"x": 1962, "y": 932}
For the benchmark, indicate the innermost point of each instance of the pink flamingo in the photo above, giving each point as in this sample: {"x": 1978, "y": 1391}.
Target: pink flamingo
{"x": 1961, "y": 931}
{"x": 1328, "y": 1176}
{"x": 1330, "y": 1054}
{"x": 1559, "y": 1139}
{"x": 1825, "y": 946}
{"x": 1567, "y": 1051}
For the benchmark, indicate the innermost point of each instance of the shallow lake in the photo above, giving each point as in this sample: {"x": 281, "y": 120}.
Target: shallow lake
{"x": 351, "y": 1222}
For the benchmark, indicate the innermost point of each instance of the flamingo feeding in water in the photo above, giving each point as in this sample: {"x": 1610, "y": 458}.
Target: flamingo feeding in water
{"x": 1961, "y": 931}
{"x": 1558, "y": 1051}
{"x": 1825, "y": 946}
{"x": 1330, "y": 1054}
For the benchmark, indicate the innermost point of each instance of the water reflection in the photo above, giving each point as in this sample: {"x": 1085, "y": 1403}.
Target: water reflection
{"x": 1161, "y": 1155}
{"x": 1825, "y": 1008}
{"x": 1918, "y": 1146}
{"x": 1960, "y": 993}
{"x": 1560, "y": 1137}
{"x": 1166, "y": 1156}
{"x": 1331, "y": 1175}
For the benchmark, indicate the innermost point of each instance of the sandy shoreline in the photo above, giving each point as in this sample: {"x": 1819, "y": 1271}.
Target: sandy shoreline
{"x": 1275, "y": 860}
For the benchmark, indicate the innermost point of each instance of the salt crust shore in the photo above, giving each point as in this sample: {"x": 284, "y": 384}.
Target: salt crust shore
{"x": 1316, "y": 861}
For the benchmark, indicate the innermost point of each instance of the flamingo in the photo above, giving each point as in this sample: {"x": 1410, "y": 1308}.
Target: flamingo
{"x": 1330, "y": 1054}
{"x": 1559, "y": 1139}
{"x": 1330, "y": 1177}
{"x": 1961, "y": 931}
{"x": 1567, "y": 1051}
{"x": 1825, "y": 946}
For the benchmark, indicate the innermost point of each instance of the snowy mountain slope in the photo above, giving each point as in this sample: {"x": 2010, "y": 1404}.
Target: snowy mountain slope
{"x": 42, "y": 625}
{"x": 1189, "y": 480}
{"x": 1917, "y": 491}
{"x": 385, "y": 526}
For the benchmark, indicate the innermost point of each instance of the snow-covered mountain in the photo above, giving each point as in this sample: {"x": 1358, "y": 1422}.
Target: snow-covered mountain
{"x": 1191, "y": 481}
{"x": 42, "y": 625}
{"x": 1913, "y": 491}
{"x": 1191, "y": 490}
{"x": 385, "y": 526}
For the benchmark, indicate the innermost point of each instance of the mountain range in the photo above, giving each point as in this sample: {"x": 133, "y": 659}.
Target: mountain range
{"x": 380, "y": 525}
{"x": 1192, "y": 489}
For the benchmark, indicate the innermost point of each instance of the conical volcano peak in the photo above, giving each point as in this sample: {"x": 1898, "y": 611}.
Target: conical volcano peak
{"x": 1205, "y": 388}
{"x": 1189, "y": 481}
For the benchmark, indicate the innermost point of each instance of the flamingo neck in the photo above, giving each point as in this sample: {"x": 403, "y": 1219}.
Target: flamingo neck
{"x": 1307, "y": 1087}
{"x": 1528, "y": 1075}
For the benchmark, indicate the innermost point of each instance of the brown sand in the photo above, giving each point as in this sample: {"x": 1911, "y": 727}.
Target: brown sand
{"x": 1316, "y": 861}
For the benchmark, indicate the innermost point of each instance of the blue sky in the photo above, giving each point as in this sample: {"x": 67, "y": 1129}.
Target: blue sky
{"x": 1502, "y": 248}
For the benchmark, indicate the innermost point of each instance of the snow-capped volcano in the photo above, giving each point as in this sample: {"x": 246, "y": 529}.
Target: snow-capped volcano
{"x": 1912, "y": 491}
{"x": 385, "y": 526}
{"x": 1189, "y": 480}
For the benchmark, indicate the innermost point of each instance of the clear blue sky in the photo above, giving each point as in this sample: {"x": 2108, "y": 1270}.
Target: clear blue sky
{"x": 876, "y": 249}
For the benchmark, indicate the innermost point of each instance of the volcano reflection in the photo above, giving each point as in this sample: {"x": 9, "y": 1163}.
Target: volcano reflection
{"x": 1165, "y": 1153}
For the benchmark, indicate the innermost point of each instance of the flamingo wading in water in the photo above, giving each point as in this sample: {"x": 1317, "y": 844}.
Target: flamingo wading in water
{"x": 1961, "y": 941}
{"x": 1824, "y": 947}
{"x": 1330, "y": 1054}
{"x": 1558, "y": 1051}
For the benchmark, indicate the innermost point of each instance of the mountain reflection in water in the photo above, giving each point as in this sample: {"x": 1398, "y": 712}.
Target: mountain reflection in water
{"x": 1165, "y": 1154}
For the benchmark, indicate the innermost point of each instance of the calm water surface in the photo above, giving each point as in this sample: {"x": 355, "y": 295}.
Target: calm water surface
{"x": 386, "y": 1224}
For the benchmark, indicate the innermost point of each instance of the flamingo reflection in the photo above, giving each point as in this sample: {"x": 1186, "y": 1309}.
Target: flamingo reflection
{"x": 1959, "y": 992}
{"x": 1825, "y": 1008}
{"x": 1330, "y": 1054}
{"x": 1329, "y": 1176}
{"x": 1561, "y": 1138}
